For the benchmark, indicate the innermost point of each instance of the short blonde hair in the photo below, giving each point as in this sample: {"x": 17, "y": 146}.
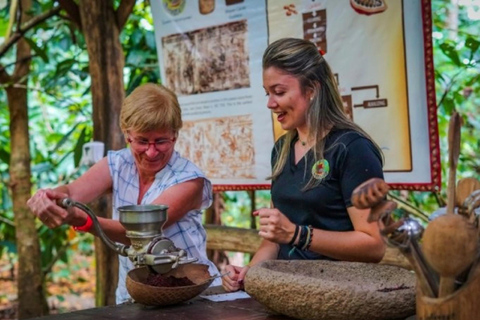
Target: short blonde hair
{"x": 151, "y": 107}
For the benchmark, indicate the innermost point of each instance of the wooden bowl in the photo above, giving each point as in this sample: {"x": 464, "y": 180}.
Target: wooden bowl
{"x": 333, "y": 290}
{"x": 163, "y": 296}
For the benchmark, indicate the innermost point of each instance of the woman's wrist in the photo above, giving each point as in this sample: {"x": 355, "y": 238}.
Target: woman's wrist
{"x": 294, "y": 238}
{"x": 304, "y": 238}
{"x": 85, "y": 226}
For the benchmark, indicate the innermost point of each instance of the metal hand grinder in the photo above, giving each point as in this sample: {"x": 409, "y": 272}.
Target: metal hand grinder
{"x": 144, "y": 227}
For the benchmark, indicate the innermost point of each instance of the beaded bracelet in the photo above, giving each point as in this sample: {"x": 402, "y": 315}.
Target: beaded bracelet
{"x": 309, "y": 242}
{"x": 307, "y": 239}
{"x": 303, "y": 237}
{"x": 294, "y": 235}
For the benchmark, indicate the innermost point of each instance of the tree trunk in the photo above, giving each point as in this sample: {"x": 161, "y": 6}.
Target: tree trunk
{"x": 106, "y": 70}
{"x": 31, "y": 298}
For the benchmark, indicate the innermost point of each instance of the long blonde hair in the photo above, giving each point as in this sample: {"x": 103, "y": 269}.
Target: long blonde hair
{"x": 301, "y": 59}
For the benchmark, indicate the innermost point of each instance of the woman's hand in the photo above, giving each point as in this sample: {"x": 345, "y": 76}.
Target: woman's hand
{"x": 233, "y": 281}
{"x": 44, "y": 206}
{"x": 274, "y": 225}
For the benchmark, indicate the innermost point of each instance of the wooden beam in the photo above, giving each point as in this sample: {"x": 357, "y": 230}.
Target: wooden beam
{"x": 232, "y": 239}
{"x": 248, "y": 241}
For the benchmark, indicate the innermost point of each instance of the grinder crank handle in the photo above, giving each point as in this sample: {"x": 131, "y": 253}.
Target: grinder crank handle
{"x": 152, "y": 259}
{"x": 187, "y": 260}
{"x": 69, "y": 203}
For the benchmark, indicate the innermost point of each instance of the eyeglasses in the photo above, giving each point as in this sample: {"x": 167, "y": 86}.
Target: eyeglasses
{"x": 142, "y": 145}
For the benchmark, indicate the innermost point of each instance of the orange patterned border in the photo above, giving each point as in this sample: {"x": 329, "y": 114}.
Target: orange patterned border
{"x": 435, "y": 161}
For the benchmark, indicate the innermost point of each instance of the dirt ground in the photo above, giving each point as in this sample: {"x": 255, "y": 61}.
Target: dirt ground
{"x": 70, "y": 287}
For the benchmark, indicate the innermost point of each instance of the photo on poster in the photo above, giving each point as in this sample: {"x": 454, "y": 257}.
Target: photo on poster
{"x": 207, "y": 60}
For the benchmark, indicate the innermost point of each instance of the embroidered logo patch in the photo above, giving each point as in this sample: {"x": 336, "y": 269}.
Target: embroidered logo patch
{"x": 320, "y": 169}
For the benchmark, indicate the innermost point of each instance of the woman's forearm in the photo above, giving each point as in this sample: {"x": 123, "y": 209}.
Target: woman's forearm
{"x": 267, "y": 251}
{"x": 348, "y": 246}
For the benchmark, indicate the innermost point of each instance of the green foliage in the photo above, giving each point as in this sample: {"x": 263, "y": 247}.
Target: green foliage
{"x": 238, "y": 207}
{"x": 456, "y": 41}
{"x": 59, "y": 122}
{"x": 138, "y": 40}
{"x": 60, "y": 111}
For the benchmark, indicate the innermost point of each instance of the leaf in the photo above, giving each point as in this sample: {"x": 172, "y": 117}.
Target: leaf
{"x": 3, "y": 25}
{"x": 77, "y": 151}
{"x": 450, "y": 51}
{"x": 42, "y": 167}
{"x": 87, "y": 91}
{"x": 439, "y": 76}
{"x": 136, "y": 57}
{"x": 64, "y": 257}
{"x": 448, "y": 105}
{"x": 63, "y": 67}
{"x": 134, "y": 82}
{"x": 153, "y": 77}
{"x": 472, "y": 44}
{"x": 83, "y": 75}
{"x": 65, "y": 138}
{"x": 65, "y": 43}
{"x": 150, "y": 40}
{"x": 5, "y": 156}
{"x": 37, "y": 49}
{"x": 10, "y": 245}
{"x": 136, "y": 37}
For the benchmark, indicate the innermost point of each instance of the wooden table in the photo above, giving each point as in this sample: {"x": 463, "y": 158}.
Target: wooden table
{"x": 197, "y": 309}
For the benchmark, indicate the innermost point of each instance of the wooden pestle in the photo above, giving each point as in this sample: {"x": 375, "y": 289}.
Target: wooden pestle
{"x": 370, "y": 193}
{"x": 450, "y": 246}
{"x": 444, "y": 239}
{"x": 454, "y": 129}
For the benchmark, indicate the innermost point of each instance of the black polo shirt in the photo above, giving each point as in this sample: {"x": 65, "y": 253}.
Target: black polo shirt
{"x": 351, "y": 158}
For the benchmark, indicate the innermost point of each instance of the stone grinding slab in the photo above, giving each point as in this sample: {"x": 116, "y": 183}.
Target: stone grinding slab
{"x": 333, "y": 290}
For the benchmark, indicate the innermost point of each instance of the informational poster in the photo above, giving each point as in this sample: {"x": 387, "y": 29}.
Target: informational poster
{"x": 210, "y": 55}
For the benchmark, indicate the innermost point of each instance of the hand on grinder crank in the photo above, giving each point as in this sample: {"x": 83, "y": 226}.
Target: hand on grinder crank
{"x": 43, "y": 205}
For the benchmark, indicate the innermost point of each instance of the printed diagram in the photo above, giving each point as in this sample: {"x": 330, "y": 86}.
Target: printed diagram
{"x": 231, "y": 137}
{"x": 314, "y": 25}
{"x": 315, "y": 28}
{"x": 370, "y": 103}
{"x": 367, "y": 102}
{"x": 207, "y": 60}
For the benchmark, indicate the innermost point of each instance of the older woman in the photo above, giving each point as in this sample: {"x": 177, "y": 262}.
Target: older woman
{"x": 315, "y": 166}
{"x": 149, "y": 172}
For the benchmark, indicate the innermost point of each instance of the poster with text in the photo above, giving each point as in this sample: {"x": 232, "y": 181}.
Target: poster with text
{"x": 210, "y": 55}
